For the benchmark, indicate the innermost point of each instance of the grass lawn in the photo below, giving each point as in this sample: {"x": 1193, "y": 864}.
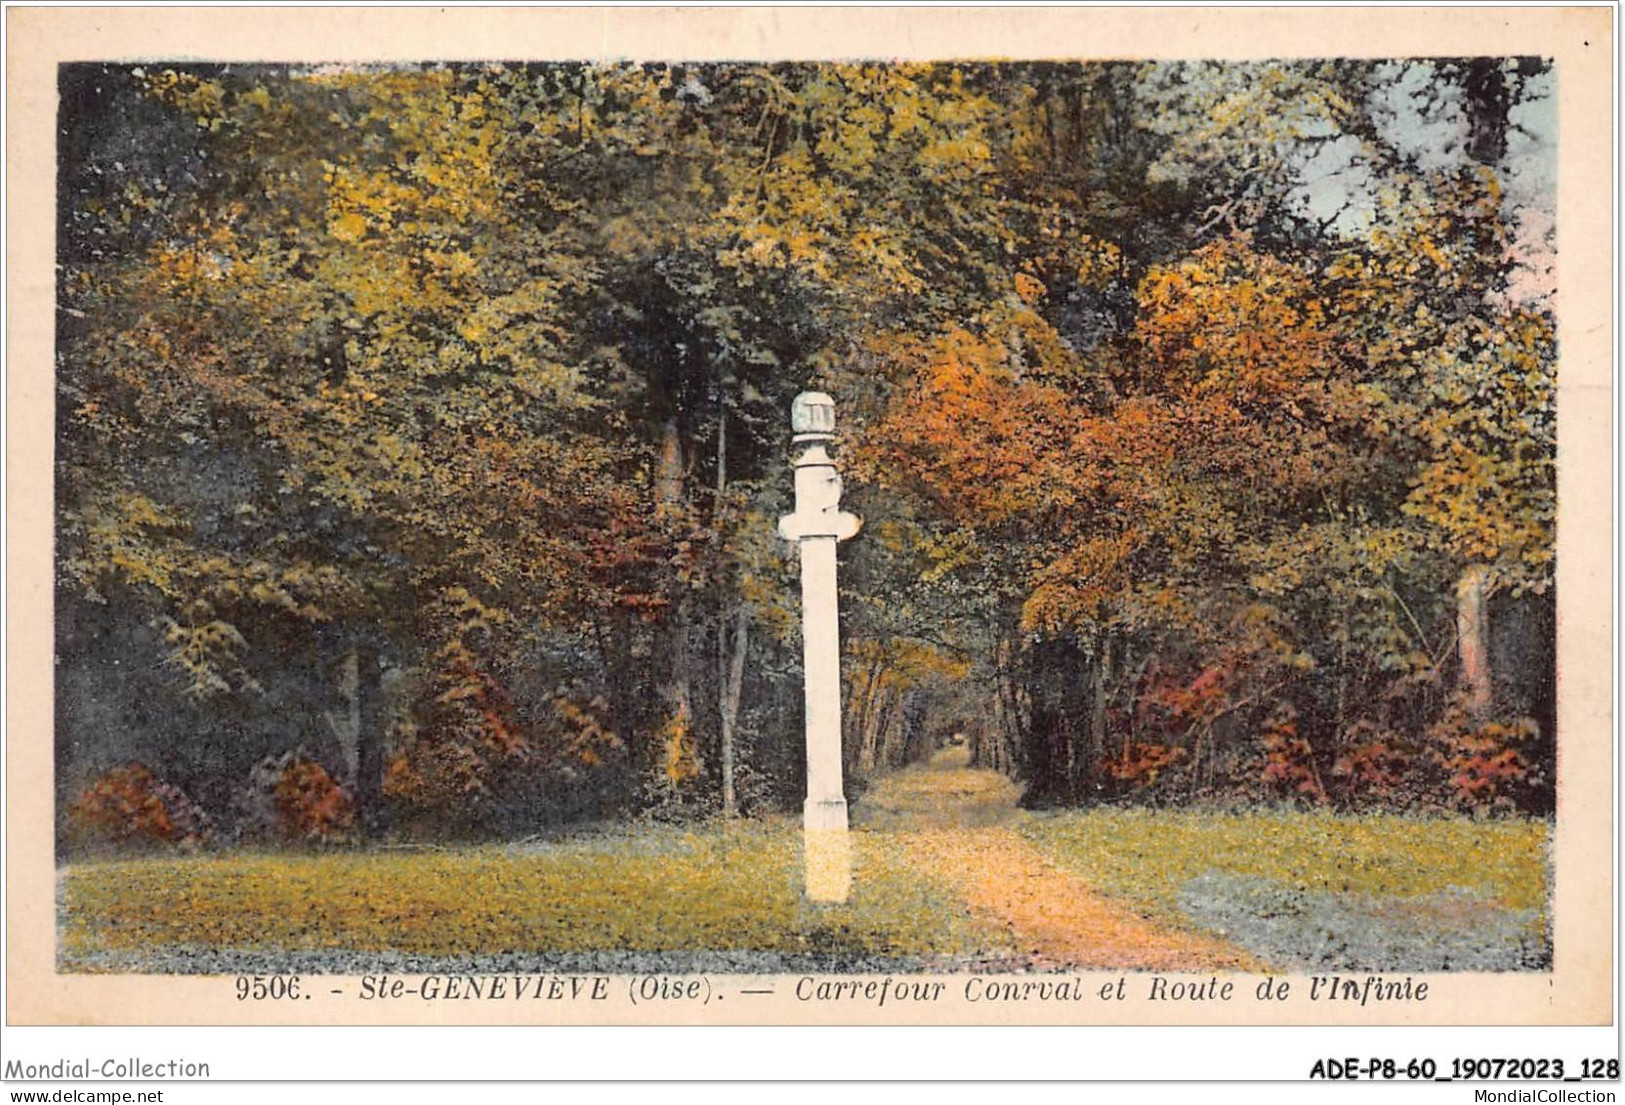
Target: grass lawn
{"x": 732, "y": 888}
{"x": 1319, "y": 889}
{"x": 1293, "y": 890}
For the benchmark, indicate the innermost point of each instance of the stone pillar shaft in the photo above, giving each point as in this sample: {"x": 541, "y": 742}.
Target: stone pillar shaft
{"x": 817, "y": 525}
{"x": 821, "y": 660}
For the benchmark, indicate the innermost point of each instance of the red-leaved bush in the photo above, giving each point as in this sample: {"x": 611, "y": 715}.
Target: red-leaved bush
{"x": 1289, "y": 764}
{"x": 466, "y": 748}
{"x": 1483, "y": 759}
{"x": 129, "y": 806}
{"x": 1375, "y": 767}
{"x": 292, "y": 798}
{"x": 1142, "y": 762}
{"x": 311, "y": 805}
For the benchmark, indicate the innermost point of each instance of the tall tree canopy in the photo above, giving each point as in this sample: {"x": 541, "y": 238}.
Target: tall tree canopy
{"x": 426, "y": 424}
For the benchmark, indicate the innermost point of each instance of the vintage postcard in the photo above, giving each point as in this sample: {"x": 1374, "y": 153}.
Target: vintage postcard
{"x": 775, "y": 516}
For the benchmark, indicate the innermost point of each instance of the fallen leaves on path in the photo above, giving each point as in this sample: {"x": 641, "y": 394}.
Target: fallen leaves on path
{"x": 1055, "y": 917}
{"x": 950, "y": 818}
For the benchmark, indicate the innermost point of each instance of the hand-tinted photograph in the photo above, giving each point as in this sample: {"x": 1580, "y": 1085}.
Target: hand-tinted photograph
{"x": 805, "y": 517}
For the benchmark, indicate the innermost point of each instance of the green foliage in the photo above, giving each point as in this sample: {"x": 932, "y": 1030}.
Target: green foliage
{"x": 1171, "y": 470}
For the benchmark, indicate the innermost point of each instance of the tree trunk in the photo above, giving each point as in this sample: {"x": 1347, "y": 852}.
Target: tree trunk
{"x": 1073, "y": 705}
{"x": 1097, "y": 715}
{"x": 1472, "y": 637}
{"x": 1016, "y": 723}
{"x": 1047, "y": 105}
{"x": 369, "y": 776}
{"x": 990, "y": 749}
{"x": 862, "y": 759}
{"x": 1045, "y": 759}
{"x": 886, "y": 752}
{"x": 730, "y": 674}
{"x": 916, "y": 743}
{"x": 866, "y": 753}
{"x": 680, "y": 755}
{"x": 1134, "y": 674}
{"x": 669, "y": 474}
{"x": 722, "y": 457}
{"x": 1487, "y": 101}
{"x": 729, "y": 704}
{"x": 349, "y": 733}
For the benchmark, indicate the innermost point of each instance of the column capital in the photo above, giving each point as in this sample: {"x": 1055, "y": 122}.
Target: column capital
{"x": 803, "y": 526}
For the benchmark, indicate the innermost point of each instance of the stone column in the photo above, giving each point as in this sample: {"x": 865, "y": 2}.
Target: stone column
{"x": 816, "y": 526}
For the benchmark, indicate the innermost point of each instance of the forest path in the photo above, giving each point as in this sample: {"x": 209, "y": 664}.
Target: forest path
{"x": 956, "y": 821}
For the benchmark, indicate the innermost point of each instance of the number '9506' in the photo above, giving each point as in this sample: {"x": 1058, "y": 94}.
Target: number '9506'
{"x": 261, "y": 987}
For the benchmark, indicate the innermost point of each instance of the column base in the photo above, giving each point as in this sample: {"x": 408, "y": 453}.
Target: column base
{"x": 827, "y": 854}
{"x": 824, "y": 813}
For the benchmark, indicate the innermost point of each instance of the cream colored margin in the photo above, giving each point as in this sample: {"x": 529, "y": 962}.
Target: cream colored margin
{"x": 1579, "y": 988}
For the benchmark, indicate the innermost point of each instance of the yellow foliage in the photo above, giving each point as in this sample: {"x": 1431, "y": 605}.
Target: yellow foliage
{"x": 681, "y": 761}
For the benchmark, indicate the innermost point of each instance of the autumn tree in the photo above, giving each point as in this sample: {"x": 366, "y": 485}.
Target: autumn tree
{"x": 430, "y": 419}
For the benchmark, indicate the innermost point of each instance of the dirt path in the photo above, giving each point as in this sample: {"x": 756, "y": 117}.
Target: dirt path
{"x": 955, "y": 820}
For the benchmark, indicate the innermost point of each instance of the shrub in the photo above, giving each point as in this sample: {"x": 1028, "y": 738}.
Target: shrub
{"x": 1483, "y": 760}
{"x": 1143, "y": 762}
{"x": 464, "y": 751}
{"x": 1376, "y": 767}
{"x": 129, "y": 806}
{"x": 293, "y": 798}
{"x": 1289, "y": 762}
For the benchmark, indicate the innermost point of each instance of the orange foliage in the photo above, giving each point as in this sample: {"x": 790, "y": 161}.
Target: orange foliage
{"x": 985, "y": 442}
{"x": 580, "y": 729}
{"x": 1484, "y": 760}
{"x": 293, "y": 798}
{"x": 310, "y": 804}
{"x": 1142, "y": 762}
{"x": 1233, "y": 322}
{"x": 1289, "y": 764}
{"x": 467, "y": 742}
{"x": 1374, "y": 764}
{"x": 131, "y": 806}
{"x": 681, "y": 761}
